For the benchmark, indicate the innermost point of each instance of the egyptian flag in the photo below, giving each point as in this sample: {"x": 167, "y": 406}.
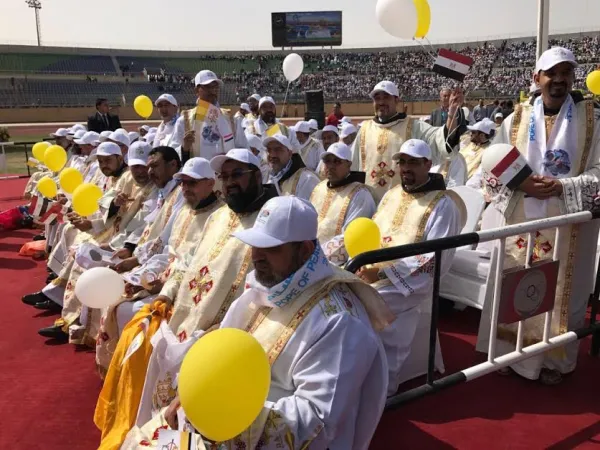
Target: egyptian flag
{"x": 39, "y": 206}
{"x": 54, "y": 214}
{"x": 452, "y": 65}
{"x": 512, "y": 169}
{"x": 46, "y": 211}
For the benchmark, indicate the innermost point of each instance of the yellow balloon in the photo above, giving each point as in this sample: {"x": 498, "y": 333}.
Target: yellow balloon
{"x": 593, "y": 82}
{"x": 85, "y": 199}
{"x": 361, "y": 235}
{"x": 143, "y": 106}
{"x": 55, "y": 158}
{"x": 423, "y": 18}
{"x": 47, "y": 187}
{"x": 70, "y": 178}
{"x": 39, "y": 150}
{"x": 224, "y": 382}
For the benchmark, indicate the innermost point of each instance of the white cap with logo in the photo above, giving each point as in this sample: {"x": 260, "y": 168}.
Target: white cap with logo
{"x": 340, "y": 150}
{"x": 314, "y": 125}
{"x": 61, "y": 132}
{"x": 302, "y": 127}
{"x": 77, "y": 127}
{"x": 77, "y": 135}
{"x": 104, "y": 136}
{"x": 120, "y": 137}
{"x": 499, "y": 116}
{"x": 196, "y": 168}
{"x": 89, "y": 138}
{"x": 330, "y": 128}
{"x": 255, "y": 142}
{"x": 385, "y": 86}
{"x": 108, "y": 149}
{"x": 242, "y": 155}
{"x": 133, "y": 135}
{"x": 415, "y": 148}
{"x": 485, "y": 126}
{"x": 245, "y": 106}
{"x": 280, "y": 221}
{"x": 347, "y": 130}
{"x": 553, "y": 57}
{"x": 283, "y": 140}
{"x": 205, "y": 77}
{"x": 166, "y": 98}
{"x": 266, "y": 99}
{"x": 138, "y": 154}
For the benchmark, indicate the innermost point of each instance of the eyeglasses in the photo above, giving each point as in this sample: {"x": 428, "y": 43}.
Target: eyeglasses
{"x": 235, "y": 175}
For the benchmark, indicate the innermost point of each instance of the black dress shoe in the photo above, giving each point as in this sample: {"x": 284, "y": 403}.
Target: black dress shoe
{"x": 33, "y": 299}
{"x": 54, "y": 332}
{"x": 51, "y": 278}
{"x": 39, "y": 237}
{"x": 48, "y": 305}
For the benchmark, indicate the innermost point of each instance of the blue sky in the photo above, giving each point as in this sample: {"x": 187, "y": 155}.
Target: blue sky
{"x": 246, "y": 24}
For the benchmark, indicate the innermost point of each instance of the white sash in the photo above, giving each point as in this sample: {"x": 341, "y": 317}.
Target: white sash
{"x": 552, "y": 157}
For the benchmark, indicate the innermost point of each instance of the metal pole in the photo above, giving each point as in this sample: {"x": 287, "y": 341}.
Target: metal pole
{"x": 435, "y": 312}
{"x": 38, "y": 27}
{"x": 543, "y": 25}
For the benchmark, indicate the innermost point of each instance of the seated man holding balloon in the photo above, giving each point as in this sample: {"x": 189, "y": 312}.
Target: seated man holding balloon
{"x": 300, "y": 360}
{"x": 339, "y": 199}
{"x": 174, "y": 247}
{"x": 418, "y": 209}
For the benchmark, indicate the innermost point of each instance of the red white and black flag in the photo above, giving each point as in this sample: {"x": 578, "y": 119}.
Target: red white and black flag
{"x": 512, "y": 169}
{"x": 452, "y": 65}
{"x": 46, "y": 211}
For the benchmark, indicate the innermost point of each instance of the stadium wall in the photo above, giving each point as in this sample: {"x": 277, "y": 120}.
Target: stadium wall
{"x": 51, "y": 115}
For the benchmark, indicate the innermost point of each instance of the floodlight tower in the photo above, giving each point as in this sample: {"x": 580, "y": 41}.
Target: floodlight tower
{"x": 36, "y": 5}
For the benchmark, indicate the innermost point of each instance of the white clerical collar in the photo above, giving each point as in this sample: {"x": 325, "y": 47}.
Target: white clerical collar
{"x": 164, "y": 192}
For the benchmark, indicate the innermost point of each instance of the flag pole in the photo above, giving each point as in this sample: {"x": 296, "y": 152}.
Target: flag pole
{"x": 543, "y": 25}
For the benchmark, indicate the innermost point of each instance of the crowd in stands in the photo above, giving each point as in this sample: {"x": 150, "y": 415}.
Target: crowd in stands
{"x": 501, "y": 69}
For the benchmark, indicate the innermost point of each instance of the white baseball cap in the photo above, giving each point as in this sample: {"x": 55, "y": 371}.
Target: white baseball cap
{"x": 108, "y": 149}
{"x": 346, "y": 119}
{"x": 196, "y": 168}
{"x": 264, "y": 100}
{"x": 153, "y": 130}
{"x": 245, "y": 106}
{"x": 280, "y": 221}
{"x": 133, "y": 135}
{"x": 283, "y": 140}
{"x": 120, "y": 137}
{"x": 149, "y": 138}
{"x": 302, "y": 127}
{"x": 77, "y": 135}
{"x": 205, "y": 77}
{"x": 77, "y": 127}
{"x": 499, "y": 116}
{"x": 415, "y": 148}
{"x": 255, "y": 142}
{"x": 167, "y": 98}
{"x": 145, "y": 127}
{"x": 138, "y": 154}
{"x": 485, "y": 126}
{"x": 385, "y": 86}
{"x": 314, "y": 125}
{"x": 89, "y": 138}
{"x": 61, "y": 132}
{"x": 340, "y": 150}
{"x": 242, "y": 155}
{"x": 255, "y": 97}
{"x": 347, "y": 130}
{"x": 104, "y": 136}
{"x": 330, "y": 128}
{"x": 554, "y": 56}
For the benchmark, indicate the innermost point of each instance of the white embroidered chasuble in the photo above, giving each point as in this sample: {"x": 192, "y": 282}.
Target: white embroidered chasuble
{"x": 301, "y": 184}
{"x": 296, "y": 335}
{"x": 311, "y": 152}
{"x": 576, "y": 255}
{"x": 473, "y": 154}
{"x": 375, "y": 144}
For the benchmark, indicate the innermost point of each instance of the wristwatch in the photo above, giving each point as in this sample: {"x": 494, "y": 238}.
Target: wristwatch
{"x": 381, "y": 275}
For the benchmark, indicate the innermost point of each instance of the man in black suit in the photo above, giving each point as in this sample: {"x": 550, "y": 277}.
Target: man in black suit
{"x": 102, "y": 120}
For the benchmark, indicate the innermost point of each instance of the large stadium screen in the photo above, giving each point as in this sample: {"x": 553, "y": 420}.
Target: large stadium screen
{"x": 306, "y": 29}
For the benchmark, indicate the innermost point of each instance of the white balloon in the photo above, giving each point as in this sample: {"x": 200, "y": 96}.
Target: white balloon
{"x": 293, "y": 66}
{"x": 99, "y": 287}
{"x": 397, "y": 17}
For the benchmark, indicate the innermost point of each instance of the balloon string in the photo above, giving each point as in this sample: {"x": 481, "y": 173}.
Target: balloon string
{"x": 430, "y": 51}
{"x": 285, "y": 98}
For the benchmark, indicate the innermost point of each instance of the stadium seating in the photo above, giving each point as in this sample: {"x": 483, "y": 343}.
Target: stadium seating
{"x": 501, "y": 69}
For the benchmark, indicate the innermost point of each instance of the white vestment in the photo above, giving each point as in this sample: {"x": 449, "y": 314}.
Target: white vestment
{"x": 577, "y": 251}
{"x": 165, "y": 133}
{"x": 454, "y": 170}
{"x": 311, "y": 152}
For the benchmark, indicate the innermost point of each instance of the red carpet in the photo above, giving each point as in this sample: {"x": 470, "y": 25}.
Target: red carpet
{"x": 49, "y": 392}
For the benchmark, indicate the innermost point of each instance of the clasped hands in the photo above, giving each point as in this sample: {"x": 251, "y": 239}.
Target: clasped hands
{"x": 541, "y": 187}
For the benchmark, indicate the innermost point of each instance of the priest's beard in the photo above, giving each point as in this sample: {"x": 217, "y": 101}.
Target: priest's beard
{"x": 239, "y": 201}
{"x": 269, "y": 275}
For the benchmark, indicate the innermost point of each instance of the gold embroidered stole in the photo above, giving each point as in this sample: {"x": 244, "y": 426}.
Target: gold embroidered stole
{"x": 215, "y": 274}
{"x": 331, "y": 205}
{"x": 289, "y": 186}
{"x": 153, "y": 230}
{"x": 194, "y": 120}
{"x": 377, "y": 145}
{"x": 473, "y": 154}
{"x": 308, "y": 148}
{"x": 402, "y": 218}
{"x": 543, "y": 248}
